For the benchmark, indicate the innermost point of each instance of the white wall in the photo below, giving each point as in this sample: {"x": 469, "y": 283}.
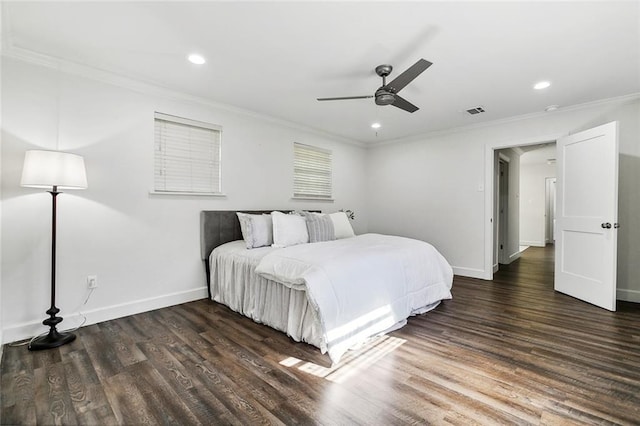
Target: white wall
{"x": 431, "y": 190}
{"x": 143, "y": 248}
{"x": 533, "y": 201}
{"x": 431, "y": 187}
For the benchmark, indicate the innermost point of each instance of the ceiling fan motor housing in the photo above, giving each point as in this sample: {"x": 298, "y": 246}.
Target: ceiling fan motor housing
{"x": 384, "y": 97}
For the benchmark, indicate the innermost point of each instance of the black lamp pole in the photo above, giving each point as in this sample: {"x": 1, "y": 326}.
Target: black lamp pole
{"x": 54, "y": 338}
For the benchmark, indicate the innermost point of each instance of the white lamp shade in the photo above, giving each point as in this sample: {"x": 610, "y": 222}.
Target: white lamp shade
{"x": 44, "y": 169}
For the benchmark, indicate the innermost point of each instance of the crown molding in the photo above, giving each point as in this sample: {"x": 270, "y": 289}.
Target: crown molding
{"x": 618, "y": 100}
{"x": 154, "y": 89}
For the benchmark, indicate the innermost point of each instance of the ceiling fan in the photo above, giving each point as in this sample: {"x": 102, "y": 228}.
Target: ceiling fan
{"x": 387, "y": 93}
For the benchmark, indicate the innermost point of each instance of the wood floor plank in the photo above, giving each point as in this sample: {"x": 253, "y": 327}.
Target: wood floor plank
{"x": 18, "y": 398}
{"x": 127, "y": 402}
{"x": 125, "y": 347}
{"x": 507, "y": 351}
{"x": 53, "y": 400}
{"x": 86, "y": 392}
{"x": 160, "y": 397}
{"x": 103, "y": 356}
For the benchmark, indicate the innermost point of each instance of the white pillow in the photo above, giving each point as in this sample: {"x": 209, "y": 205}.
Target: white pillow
{"x": 256, "y": 229}
{"x": 289, "y": 229}
{"x": 341, "y": 225}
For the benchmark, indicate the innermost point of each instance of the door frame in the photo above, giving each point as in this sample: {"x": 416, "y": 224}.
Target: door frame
{"x": 502, "y": 218}
{"x": 549, "y": 210}
{"x": 489, "y": 200}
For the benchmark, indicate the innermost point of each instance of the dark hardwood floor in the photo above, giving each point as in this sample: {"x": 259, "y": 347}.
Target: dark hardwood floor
{"x": 507, "y": 351}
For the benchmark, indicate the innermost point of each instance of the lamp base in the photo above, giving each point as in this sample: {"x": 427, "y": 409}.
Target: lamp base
{"x": 51, "y": 340}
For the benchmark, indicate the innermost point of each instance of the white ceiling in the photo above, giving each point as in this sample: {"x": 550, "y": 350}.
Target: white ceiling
{"x": 276, "y": 58}
{"x": 538, "y": 154}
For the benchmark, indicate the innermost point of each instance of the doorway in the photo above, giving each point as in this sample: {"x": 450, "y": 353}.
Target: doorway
{"x": 505, "y": 208}
{"x": 585, "y": 229}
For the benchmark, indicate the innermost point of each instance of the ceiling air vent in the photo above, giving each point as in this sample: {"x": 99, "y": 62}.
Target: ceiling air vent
{"x": 476, "y": 110}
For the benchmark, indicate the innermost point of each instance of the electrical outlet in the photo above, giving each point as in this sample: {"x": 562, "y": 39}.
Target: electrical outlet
{"x": 92, "y": 281}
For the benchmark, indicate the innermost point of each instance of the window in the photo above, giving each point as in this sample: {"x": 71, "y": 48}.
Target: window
{"x": 311, "y": 172}
{"x": 187, "y": 156}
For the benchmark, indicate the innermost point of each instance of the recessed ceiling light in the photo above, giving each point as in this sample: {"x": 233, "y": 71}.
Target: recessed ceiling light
{"x": 376, "y": 126}
{"x": 541, "y": 85}
{"x": 194, "y": 58}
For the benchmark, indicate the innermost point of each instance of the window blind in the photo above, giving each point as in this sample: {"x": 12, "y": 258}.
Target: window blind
{"x": 187, "y": 156}
{"x": 312, "y": 173}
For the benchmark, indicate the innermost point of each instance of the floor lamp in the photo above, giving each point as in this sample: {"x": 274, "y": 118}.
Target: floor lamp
{"x": 53, "y": 170}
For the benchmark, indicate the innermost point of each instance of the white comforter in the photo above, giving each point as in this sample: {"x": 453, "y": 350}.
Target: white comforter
{"x": 362, "y": 286}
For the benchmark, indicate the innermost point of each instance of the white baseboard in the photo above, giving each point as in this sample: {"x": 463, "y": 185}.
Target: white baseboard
{"x": 469, "y": 272}
{"x": 533, "y": 243}
{"x": 628, "y": 295}
{"x": 27, "y": 330}
{"x": 514, "y": 256}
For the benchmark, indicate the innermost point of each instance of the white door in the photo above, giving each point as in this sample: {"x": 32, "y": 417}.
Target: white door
{"x": 587, "y": 215}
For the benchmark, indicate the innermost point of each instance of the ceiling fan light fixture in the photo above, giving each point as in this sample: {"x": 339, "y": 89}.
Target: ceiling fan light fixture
{"x": 194, "y": 58}
{"x": 541, "y": 85}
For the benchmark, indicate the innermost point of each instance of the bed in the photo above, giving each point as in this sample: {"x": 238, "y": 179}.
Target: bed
{"x": 332, "y": 294}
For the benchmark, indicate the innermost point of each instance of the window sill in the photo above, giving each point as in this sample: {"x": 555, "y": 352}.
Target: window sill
{"x": 189, "y": 194}
{"x": 329, "y": 200}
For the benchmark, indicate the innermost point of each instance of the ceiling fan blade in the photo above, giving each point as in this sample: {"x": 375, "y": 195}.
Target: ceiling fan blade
{"x": 407, "y": 77}
{"x": 345, "y": 98}
{"x": 404, "y": 104}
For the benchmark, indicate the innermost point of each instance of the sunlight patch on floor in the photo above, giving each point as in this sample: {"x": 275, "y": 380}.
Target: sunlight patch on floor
{"x": 366, "y": 324}
{"x": 352, "y": 362}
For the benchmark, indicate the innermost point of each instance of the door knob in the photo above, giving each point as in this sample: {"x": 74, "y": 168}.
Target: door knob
{"x": 616, "y": 225}
{"x": 606, "y": 225}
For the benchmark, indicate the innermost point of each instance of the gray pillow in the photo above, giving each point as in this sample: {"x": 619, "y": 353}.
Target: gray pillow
{"x": 320, "y": 227}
